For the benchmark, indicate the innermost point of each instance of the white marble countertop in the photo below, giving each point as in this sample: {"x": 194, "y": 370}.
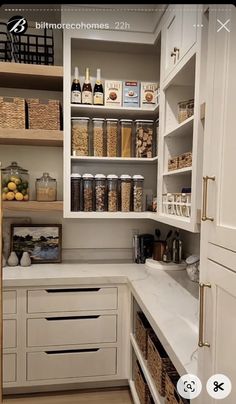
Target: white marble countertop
{"x": 167, "y": 298}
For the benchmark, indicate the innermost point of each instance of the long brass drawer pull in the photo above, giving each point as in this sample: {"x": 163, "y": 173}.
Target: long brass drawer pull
{"x": 205, "y": 196}
{"x": 201, "y": 342}
{"x": 71, "y": 318}
{"x": 69, "y": 351}
{"x": 72, "y": 290}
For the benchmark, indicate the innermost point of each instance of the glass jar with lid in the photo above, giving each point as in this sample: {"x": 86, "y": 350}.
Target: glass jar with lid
{"x": 112, "y": 197}
{"x": 15, "y": 183}
{"x": 126, "y": 187}
{"x": 144, "y": 138}
{"x": 88, "y": 192}
{"x": 80, "y": 136}
{"x": 75, "y": 192}
{"x": 126, "y": 137}
{"x": 46, "y": 188}
{"x": 112, "y": 137}
{"x": 100, "y": 193}
{"x": 98, "y": 137}
{"x": 138, "y": 193}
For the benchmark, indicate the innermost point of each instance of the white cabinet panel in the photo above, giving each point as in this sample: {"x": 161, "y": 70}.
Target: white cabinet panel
{"x": 9, "y": 368}
{"x": 9, "y": 302}
{"x": 172, "y": 39}
{"x": 9, "y": 333}
{"x": 189, "y": 27}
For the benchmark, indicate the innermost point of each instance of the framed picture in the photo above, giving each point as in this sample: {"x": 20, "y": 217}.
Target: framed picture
{"x": 41, "y": 241}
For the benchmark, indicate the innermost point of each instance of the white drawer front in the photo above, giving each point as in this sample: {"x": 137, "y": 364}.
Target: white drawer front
{"x": 9, "y": 368}
{"x": 9, "y": 302}
{"x": 82, "y": 330}
{"x": 72, "y": 364}
{"x": 9, "y": 333}
{"x": 79, "y": 299}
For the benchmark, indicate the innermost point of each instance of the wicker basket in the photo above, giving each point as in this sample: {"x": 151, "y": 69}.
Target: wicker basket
{"x": 172, "y": 395}
{"x": 173, "y": 164}
{"x": 158, "y": 363}
{"x": 185, "y": 160}
{"x": 43, "y": 114}
{"x": 141, "y": 332}
{"x": 141, "y": 385}
{"x": 12, "y": 112}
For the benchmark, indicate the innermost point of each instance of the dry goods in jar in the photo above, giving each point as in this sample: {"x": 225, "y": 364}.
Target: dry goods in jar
{"x": 80, "y": 137}
{"x": 126, "y": 137}
{"x": 98, "y": 137}
{"x": 138, "y": 193}
{"x": 112, "y": 192}
{"x": 100, "y": 192}
{"x": 125, "y": 193}
{"x": 144, "y": 139}
{"x": 88, "y": 192}
{"x": 112, "y": 137}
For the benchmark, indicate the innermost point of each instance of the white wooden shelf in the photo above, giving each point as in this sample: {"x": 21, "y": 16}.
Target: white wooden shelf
{"x": 143, "y": 363}
{"x": 32, "y": 206}
{"x": 179, "y": 222}
{"x": 96, "y": 111}
{"x": 185, "y": 170}
{"x": 124, "y": 160}
{"x": 182, "y": 129}
{"x": 110, "y": 215}
{"x": 134, "y": 392}
{"x": 31, "y": 137}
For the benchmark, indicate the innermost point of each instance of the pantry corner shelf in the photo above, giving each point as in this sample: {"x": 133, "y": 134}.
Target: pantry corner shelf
{"x": 31, "y": 137}
{"x": 185, "y": 170}
{"x": 124, "y": 160}
{"x": 182, "y": 129}
{"x": 116, "y": 112}
{"x": 32, "y": 206}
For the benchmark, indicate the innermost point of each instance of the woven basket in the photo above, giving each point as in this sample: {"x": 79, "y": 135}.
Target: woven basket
{"x": 173, "y": 164}
{"x": 43, "y": 114}
{"x": 141, "y": 385}
{"x": 12, "y": 112}
{"x": 172, "y": 395}
{"x": 158, "y": 363}
{"x": 185, "y": 160}
{"x": 141, "y": 332}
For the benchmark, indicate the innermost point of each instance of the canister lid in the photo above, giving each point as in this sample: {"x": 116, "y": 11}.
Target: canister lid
{"x": 144, "y": 120}
{"x": 126, "y": 120}
{"x": 80, "y": 118}
{"x": 112, "y": 177}
{"x": 75, "y": 175}
{"x": 89, "y": 176}
{"x": 192, "y": 259}
{"x": 100, "y": 177}
{"x": 98, "y": 119}
{"x": 125, "y": 177}
{"x": 138, "y": 177}
{"x": 112, "y": 119}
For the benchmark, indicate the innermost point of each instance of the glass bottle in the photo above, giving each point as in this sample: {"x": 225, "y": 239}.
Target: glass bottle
{"x": 15, "y": 183}
{"x": 46, "y": 188}
{"x": 87, "y": 94}
{"x": 98, "y": 92}
{"x": 76, "y": 88}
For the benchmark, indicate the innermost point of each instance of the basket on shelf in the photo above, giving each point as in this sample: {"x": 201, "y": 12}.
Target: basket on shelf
{"x": 43, "y": 114}
{"x": 141, "y": 332}
{"x": 185, "y": 160}
{"x": 172, "y": 395}
{"x": 12, "y": 112}
{"x": 141, "y": 385}
{"x": 173, "y": 163}
{"x": 158, "y": 363}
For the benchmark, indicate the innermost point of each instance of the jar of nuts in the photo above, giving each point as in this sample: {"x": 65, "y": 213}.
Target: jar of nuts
{"x": 138, "y": 193}
{"x": 100, "y": 192}
{"x": 112, "y": 196}
{"x": 126, "y": 187}
{"x": 98, "y": 137}
{"x": 80, "y": 136}
{"x": 112, "y": 137}
{"x": 144, "y": 138}
{"x": 88, "y": 192}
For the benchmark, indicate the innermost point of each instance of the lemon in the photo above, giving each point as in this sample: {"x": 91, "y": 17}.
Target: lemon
{"x": 26, "y": 197}
{"x": 4, "y": 197}
{"x": 10, "y": 196}
{"x": 11, "y": 186}
{"x": 16, "y": 180}
{"x": 19, "y": 196}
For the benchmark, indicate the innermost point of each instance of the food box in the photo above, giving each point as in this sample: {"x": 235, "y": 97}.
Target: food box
{"x": 113, "y": 93}
{"x": 131, "y": 94}
{"x": 149, "y": 95}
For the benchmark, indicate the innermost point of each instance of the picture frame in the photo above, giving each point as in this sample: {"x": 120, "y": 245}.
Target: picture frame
{"x": 42, "y": 241}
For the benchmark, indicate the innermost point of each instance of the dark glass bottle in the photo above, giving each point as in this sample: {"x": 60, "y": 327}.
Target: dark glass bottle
{"x": 98, "y": 93}
{"x": 76, "y": 89}
{"x": 87, "y": 93}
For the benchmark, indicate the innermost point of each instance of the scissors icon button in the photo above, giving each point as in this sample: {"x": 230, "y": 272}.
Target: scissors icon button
{"x": 219, "y": 386}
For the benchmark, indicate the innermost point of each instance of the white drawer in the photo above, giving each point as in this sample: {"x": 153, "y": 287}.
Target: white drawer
{"x": 9, "y": 368}
{"x": 71, "y": 364}
{"x": 82, "y": 330}
{"x": 9, "y": 333}
{"x": 9, "y": 302}
{"x": 73, "y": 299}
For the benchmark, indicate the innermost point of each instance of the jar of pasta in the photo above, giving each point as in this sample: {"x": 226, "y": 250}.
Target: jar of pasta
{"x": 126, "y": 137}
{"x": 80, "y": 136}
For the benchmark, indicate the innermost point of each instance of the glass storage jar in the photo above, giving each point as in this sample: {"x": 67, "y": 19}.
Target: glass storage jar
{"x": 80, "y": 136}
{"x": 126, "y": 137}
{"x": 138, "y": 193}
{"x": 112, "y": 137}
{"x": 126, "y": 187}
{"x": 112, "y": 197}
{"x": 100, "y": 193}
{"x": 98, "y": 137}
{"x": 75, "y": 180}
{"x": 46, "y": 188}
{"x": 88, "y": 192}
{"x": 144, "y": 138}
{"x": 15, "y": 183}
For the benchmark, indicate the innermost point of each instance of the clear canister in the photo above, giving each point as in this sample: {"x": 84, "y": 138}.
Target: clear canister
{"x": 80, "y": 136}
{"x": 112, "y": 196}
{"x": 75, "y": 192}
{"x": 15, "y": 183}
{"x": 112, "y": 137}
{"x": 126, "y": 187}
{"x": 98, "y": 137}
{"x": 100, "y": 193}
{"x": 126, "y": 137}
{"x": 46, "y": 188}
{"x": 144, "y": 138}
{"x": 88, "y": 192}
{"x": 138, "y": 193}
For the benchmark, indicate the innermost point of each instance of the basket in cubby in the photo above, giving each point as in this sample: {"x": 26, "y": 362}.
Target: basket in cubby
{"x": 142, "y": 328}
{"x": 185, "y": 160}
{"x": 173, "y": 163}
{"x": 172, "y": 395}
{"x": 44, "y": 114}
{"x": 141, "y": 385}
{"x": 158, "y": 362}
{"x": 12, "y": 112}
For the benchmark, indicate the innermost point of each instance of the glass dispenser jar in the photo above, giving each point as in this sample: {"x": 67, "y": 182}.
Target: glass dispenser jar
{"x": 138, "y": 193}
{"x": 100, "y": 193}
{"x": 46, "y": 188}
{"x": 88, "y": 192}
{"x": 15, "y": 183}
{"x": 75, "y": 192}
{"x": 144, "y": 138}
{"x": 112, "y": 197}
{"x": 80, "y": 136}
{"x": 112, "y": 137}
{"x": 126, "y": 137}
{"x": 126, "y": 186}
{"x": 98, "y": 137}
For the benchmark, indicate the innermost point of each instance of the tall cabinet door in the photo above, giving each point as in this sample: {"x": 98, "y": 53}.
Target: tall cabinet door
{"x": 189, "y": 27}
{"x": 220, "y": 139}
{"x": 172, "y": 39}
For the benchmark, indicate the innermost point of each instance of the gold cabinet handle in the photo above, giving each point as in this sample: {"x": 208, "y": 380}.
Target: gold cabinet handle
{"x": 201, "y": 342}
{"x": 204, "y": 200}
{"x": 176, "y": 50}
